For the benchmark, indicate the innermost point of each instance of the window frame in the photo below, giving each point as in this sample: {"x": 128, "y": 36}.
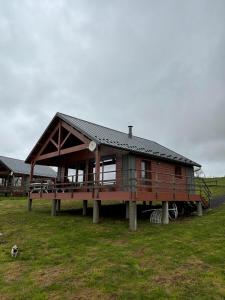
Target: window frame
{"x": 178, "y": 172}
{"x": 146, "y": 168}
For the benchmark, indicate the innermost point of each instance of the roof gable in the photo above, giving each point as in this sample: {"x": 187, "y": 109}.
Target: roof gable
{"x": 20, "y": 167}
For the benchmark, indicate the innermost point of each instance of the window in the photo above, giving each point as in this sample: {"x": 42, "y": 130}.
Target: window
{"x": 107, "y": 170}
{"x": 146, "y": 171}
{"x": 178, "y": 172}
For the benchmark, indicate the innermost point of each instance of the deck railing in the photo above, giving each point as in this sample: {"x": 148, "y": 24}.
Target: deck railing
{"x": 14, "y": 190}
{"x": 121, "y": 180}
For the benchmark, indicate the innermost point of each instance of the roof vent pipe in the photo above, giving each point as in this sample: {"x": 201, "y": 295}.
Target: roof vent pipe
{"x": 130, "y": 134}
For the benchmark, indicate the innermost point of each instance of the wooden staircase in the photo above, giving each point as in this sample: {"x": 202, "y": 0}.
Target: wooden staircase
{"x": 205, "y": 193}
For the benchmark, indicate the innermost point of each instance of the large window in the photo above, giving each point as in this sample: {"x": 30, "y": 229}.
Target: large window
{"x": 107, "y": 170}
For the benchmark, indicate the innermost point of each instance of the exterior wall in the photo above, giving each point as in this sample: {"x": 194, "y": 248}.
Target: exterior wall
{"x": 163, "y": 177}
{"x": 129, "y": 172}
{"x": 190, "y": 180}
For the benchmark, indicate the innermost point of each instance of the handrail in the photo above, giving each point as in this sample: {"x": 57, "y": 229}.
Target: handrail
{"x": 205, "y": 191}
{"x": 120, "y": 179}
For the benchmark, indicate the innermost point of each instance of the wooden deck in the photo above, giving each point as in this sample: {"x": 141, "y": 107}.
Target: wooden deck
{"x": 118, "y": 196}
{"x": 110, "y": 193}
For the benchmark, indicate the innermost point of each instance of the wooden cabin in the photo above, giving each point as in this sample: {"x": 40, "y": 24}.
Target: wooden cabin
{"x": 15, "y": 175}
{"x": 96, "y": 163}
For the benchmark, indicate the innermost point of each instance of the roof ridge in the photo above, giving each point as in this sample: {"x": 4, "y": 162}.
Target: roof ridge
{"x": 106, "y": 127}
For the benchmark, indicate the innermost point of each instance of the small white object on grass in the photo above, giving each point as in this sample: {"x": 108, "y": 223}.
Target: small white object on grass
{"x": 14, "y": 251}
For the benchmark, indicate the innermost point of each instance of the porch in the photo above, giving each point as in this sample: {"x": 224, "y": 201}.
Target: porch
{"x": 134, "y": 189}
{"x": 117, "y": 186}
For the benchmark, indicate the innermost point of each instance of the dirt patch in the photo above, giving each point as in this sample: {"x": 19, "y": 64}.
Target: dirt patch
{"x": 3, "y": 297}
{"x": 195, "y": 264}
{"x": 171, "y": 279}
{"x": 84, "y": 294}
{"x": 88, "y": 293}
{"x": 182, "y": 273}
{"x": 48, "y": 276}
{"x": 13, "y": 272}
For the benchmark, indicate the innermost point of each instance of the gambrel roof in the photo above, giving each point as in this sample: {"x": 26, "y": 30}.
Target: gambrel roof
{"x": 18, "y": 166}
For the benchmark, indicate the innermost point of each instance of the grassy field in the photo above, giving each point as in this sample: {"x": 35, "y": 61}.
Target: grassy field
{"x": 67, "y": 257}
{"x": 216, "y": 185}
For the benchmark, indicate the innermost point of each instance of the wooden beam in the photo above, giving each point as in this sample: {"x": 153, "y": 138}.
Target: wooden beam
{"x": 54, "y": 143}
{"x": 73, "y": 149}
{"x": 32, "y": 170}
{"x": 62, "y": 152}
{"x": 75, "y": 132}
{"x": 86, "y": 172}
{"x": 48, "y": 140}
{"x": 47, "y": 155}
{"x": 66, "y": 138}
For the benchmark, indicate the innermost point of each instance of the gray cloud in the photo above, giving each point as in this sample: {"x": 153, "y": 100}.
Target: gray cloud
{"x": 158, "y": 65}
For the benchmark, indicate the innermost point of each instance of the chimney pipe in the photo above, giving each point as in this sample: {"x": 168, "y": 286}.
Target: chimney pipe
{"x": 130, "y": 134}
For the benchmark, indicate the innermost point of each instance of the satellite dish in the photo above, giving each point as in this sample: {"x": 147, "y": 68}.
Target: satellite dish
{"x": 92, "y": 146}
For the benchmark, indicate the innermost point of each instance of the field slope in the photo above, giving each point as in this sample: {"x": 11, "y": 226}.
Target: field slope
{"x": 216, "y": 185}
{"x": 67, "y": 257}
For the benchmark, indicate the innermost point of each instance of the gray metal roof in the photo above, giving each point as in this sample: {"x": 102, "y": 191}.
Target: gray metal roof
{"x": 114, "y": 138}
{"x": 20, "y": 167}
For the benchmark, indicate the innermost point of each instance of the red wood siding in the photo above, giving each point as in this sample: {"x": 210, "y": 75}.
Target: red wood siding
{"x": 163, "y": 176}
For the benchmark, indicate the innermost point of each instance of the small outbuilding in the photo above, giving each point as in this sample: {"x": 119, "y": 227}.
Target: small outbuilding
{"x": 96, "y": 163}
{"x": 15, "y": 175}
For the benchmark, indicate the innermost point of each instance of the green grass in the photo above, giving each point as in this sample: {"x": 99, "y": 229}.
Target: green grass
{"x": 216, "y": 185}
{"x": 68, "y": 257}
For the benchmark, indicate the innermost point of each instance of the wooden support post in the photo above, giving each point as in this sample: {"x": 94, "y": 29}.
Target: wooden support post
{"x": 96, "y": 209}
{"x": 59, "y": 171}
{"x": 199, "y": 209}
{"x": 86, "y": 174}
{"x": 165, "y": 212}
{"x": 85, "y": 205}
{"x": 97, "y": 171}
{"x": 29, "y": 204}
{"x": 127, "y": 209}
{"x": 54, "y": 203}
{"x": 58, "y": 205}
{"x": 32, "y": 170}
{"x": 133, "y": 215}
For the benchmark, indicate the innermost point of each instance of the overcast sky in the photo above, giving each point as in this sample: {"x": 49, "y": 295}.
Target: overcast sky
{"x": 158, "y": 65}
